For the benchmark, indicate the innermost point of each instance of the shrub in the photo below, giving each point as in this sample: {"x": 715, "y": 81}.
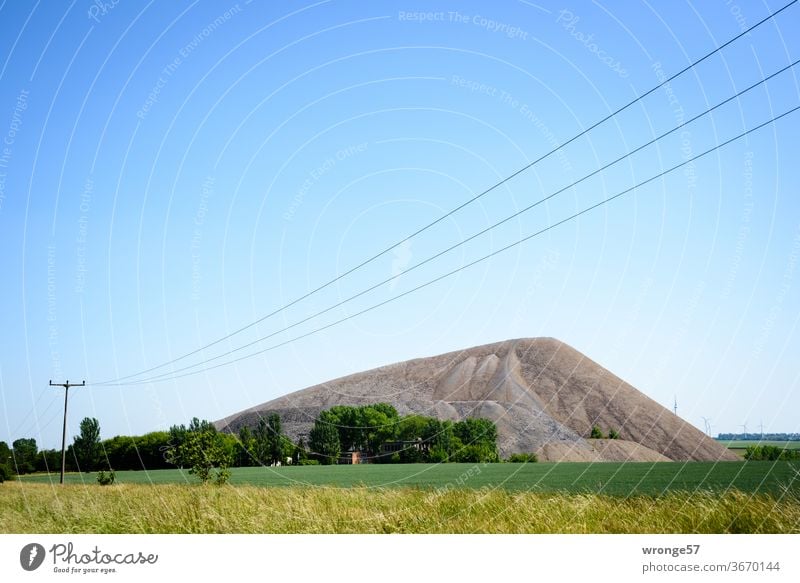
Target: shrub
{"x": 308, "y": 462}
{"x": 5, "y": 473}
{"x": 613, "y": 434}
{"x": 596, "y": 432}
{"x": 438, "y": 455}
{"x": 476, "y": 454}
{"x": 106, "y": 479}
{"x": 521, "y": 458}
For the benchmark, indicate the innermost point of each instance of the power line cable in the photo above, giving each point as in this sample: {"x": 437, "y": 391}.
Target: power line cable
{"x": 28, "y": 414}
{"x": 453, "y": 211}
{"x": 478, "y": 234}
{"x": 172, "y": 376}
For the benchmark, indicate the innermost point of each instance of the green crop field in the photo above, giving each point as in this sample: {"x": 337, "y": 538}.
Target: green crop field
{"x": 617, "y": 479}
{"x": 741, "y": 444}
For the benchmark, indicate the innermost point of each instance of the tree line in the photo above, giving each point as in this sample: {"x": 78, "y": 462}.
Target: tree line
{"x": 413, "y": 438}
{"x": 25, "y": 457}
{"x": 758, "y": 436}
{"x": 377, "y": 432}
{"x": 198, "y": 447}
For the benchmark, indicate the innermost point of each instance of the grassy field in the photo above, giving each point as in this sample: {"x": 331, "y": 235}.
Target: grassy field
{"x": 615, "y": 479}
{"x": 141, "y": 508}
{"x": 749, "y": 497}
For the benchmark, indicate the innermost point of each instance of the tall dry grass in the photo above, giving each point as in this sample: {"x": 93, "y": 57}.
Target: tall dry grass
{"x": 34, "y": 508}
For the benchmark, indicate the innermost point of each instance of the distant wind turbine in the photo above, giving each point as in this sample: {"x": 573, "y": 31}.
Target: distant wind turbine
{"x": 707, "y": 422}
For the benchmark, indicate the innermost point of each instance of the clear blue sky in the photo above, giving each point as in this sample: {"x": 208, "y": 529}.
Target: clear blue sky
{"x": 172, "y": 171}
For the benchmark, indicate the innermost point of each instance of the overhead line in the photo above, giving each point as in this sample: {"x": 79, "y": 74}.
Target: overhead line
{"x": 28, "y": 414}
{"x": 456, "y": 209}
{"x": 172, "y": 376}
{"x": 478, "y": 234}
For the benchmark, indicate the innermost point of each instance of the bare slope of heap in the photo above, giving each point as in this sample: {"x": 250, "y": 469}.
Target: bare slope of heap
{"x": 544, "y": 396}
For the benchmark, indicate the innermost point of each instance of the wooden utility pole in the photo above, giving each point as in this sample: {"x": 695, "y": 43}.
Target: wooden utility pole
{"x": 66, "y": 386}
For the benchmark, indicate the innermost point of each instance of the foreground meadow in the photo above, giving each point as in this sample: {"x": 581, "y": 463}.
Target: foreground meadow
{"x": 137, "y": 508}
{"x": 733, "y": 497}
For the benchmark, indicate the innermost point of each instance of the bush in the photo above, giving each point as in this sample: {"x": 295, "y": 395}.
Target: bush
{"x": 5, "y": 473}
{"x": 438, "y": 455}
{"x": 308, "y": 462}
{"x": 596, "y": 432}
{"x": 106, "y": 478}
{"x": 476, "y": 454}
{"x": 613, "y": 434}
{"x": 521, "y": 458}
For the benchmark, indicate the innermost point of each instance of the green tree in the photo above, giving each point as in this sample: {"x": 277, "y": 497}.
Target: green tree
{"x": 201, "y": 426}
{"x": 275, "y": 439}
{"x": 412, "y": 427}
{"x": 24, "y": 455}
{"x": 6, "y": 460}
{"x": 178, "y": 435}
{"x": 48, "y": 460}
{"x": 120, "y": 453}
{"x": 365, "y": 427}
{"x": 379, "y": 425}
{"x": 323, "y": 440}
{"x": 596, "y": 432}
{"x": 479, "y": 439}
{"x": 245, "y": 455}
{"x": 149, "y": 449}
{"x": 349, "y": 425}
{"x": 261, "y": 442}
{"x": 205, "y": 452}
{"x": 613, "y": 434}
{"x": 87, "y": 445}
{"x": 443, "y": 441}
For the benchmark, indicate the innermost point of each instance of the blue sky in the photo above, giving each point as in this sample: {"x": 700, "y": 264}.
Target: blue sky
{"x": 173, "y": 171}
